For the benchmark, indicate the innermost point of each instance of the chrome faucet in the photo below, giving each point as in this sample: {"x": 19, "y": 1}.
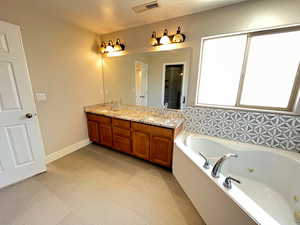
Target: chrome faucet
{"x": 217, "y": 167}
{"x": 206, "y": 164}
{"x": 227, "y": 182}
{"x": 164, "y": 109}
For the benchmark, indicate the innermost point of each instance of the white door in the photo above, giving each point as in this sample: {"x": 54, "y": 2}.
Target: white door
{"x": 141, "y": 83}
{"x": 21, "y": 147}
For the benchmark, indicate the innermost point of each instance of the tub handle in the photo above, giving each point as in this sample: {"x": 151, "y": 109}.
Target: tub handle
{"x": 227, "y": 182}
{"x": 206, "y": 164}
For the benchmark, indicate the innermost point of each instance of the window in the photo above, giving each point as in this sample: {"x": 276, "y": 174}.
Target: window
{"x": 252, "y": 70}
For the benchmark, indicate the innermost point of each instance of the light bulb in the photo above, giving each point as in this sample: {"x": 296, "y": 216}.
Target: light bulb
{"x": 109, "y": 47}
{"x": 178, "y": 37}
{"x": 102, "y": 48}
{"x": 118, "y": 46}
{"x": 164, "y": 40}
{"x": 153, "y": 39}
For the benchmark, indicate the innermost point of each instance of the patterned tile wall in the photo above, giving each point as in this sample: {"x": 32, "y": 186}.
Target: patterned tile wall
{"x": 273, "y": 130}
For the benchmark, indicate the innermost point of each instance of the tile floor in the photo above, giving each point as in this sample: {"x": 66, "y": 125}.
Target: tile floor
{"x": 98, "y": 186}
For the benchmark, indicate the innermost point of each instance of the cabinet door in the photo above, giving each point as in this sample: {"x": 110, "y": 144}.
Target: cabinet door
{"x": 161, "y": 150}
{"x": 140, "y": 144}
{"x": 105, "y": 134}
{"x": 93, "y": 131}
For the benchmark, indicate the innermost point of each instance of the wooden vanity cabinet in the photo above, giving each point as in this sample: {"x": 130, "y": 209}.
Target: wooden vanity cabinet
{"x": 99, "y": 128}
{"x": 122, "y": 144}
{"x": 140, "y": 144}
{"x": 151, "y": 143}
{"x": 121, "y": 135}
{"x": 105, "y": 134}
{"x": 161, "y": 146}
{"x": 161, "y": 151}
{"x": 93, "y": 130}
{"x": 140, "y": 140}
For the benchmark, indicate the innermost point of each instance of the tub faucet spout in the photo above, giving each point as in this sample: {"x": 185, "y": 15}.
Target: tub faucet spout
{"x": 218, "y": 166}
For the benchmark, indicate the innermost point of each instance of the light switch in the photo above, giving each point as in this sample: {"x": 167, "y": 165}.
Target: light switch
{"x": 41, "y": 97}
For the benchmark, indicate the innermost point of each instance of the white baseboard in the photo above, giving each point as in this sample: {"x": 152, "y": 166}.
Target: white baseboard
{"x": 67, "y": 150}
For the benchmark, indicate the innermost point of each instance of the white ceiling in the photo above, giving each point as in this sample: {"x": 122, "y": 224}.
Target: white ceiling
{"x": 105, "y": 16}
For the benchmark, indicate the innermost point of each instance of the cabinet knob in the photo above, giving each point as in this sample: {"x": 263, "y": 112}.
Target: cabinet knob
{"x": 28, "y": 115}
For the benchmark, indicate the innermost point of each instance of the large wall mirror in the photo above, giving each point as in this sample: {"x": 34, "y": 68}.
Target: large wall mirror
{"x": 148, "y": 79}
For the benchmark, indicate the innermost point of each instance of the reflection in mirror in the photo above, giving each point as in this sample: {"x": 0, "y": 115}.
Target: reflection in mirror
{"x": 148, "y": 79}
{"x": 172, "y": 85}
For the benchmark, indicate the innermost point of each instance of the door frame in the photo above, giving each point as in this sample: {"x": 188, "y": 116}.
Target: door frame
{"x": 183, "y": 81}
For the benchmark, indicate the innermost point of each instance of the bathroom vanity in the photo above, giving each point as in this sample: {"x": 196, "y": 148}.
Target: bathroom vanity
{"x": 143, "y": 134}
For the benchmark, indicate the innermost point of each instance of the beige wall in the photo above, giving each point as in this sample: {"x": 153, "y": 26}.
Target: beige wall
{"x": 62, "y": 65}
{"x": 252, "y": 14}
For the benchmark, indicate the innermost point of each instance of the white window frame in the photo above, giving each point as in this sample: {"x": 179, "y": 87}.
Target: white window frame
{"x": 294, "y": 101}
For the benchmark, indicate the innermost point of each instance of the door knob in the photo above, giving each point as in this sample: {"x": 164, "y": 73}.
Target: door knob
{"x": 28, "y": 115}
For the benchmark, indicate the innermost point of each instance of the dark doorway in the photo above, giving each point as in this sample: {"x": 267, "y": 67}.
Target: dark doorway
{"x": 173, "y": 85}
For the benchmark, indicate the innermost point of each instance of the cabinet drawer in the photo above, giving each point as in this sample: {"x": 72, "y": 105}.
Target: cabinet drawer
{"x": 122, "y": 144}
{"x": 160, "y": 131}
{"x": 121, "y": 123}
{"x": 121, "y": 132}
{"x": 98, "y": 118}
{"x": 140, "y": 127}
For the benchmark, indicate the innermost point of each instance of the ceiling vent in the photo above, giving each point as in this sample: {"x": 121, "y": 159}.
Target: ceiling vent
{"x": 145, "y": 7}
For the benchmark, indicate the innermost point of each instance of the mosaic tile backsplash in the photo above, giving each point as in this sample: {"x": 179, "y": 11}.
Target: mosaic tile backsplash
{"x": 268, "y": 129}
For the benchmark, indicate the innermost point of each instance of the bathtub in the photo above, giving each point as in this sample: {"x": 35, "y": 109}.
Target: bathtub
{"x": 269, "y": 193}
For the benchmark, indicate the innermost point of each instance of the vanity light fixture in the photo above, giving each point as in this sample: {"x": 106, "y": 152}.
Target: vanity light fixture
{"x": 111, "y": 47}
{"x": 167, "y": 39}
{"x": 117, "y": 46}
{"x": 102, "y": 47}
{"x": 153, "y": 40}
{"x": 178, "y": 37}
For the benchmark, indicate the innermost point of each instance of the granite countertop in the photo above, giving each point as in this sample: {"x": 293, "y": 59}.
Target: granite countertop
{"x": 135, "y": 114}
